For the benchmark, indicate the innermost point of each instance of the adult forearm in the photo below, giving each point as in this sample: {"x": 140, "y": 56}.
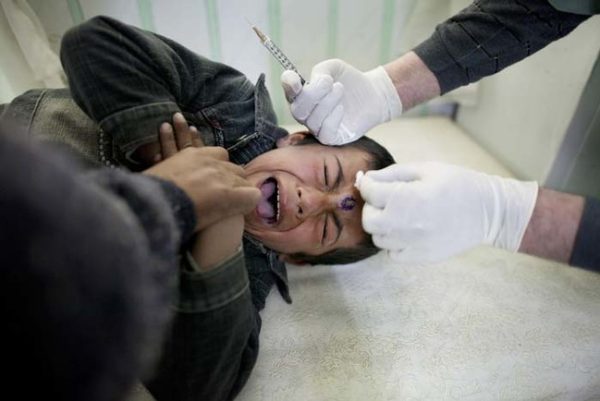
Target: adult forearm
{"x": 553, "y": 226}
{"x": 163, "y": 211}
{"x": 218, "y": 242}
{"x": 414, "y": 81}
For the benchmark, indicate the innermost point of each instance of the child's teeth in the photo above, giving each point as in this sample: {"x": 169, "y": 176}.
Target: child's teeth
{"x": 278, "y": 208}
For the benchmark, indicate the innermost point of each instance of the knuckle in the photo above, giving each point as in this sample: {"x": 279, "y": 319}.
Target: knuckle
{"x": 222, "y": 152}
{"x": 216, "y": 152}
{"x": 188, "y": 150}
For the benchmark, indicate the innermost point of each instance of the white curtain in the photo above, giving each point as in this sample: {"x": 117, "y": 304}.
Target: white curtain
{"x": 33, "y": 42}
{"x": 308, "y": 31}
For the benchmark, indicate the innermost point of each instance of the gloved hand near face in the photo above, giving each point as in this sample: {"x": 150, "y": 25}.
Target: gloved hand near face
{"x": 340, "y": 103}
{"x": 426, "y": 212}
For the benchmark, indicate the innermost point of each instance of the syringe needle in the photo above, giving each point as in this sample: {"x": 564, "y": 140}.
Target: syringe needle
{"x": 263, "y": 38}
{"x": 276, "y": 52}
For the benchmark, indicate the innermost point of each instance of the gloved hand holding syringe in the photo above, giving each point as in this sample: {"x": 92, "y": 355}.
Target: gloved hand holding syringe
{"x": 303, "y": 98}
{"x": 333, "y": 116}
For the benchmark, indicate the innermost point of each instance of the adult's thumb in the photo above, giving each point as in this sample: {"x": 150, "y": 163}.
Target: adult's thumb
{"x": 291, "y": 84}
{"x": 375, "y": 193}
{"x": 396, "y": 172}
{"x": 244, "y": 200}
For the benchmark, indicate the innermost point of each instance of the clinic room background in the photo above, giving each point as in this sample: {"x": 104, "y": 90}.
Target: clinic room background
{"x": 494, "y": 112}
{"x": 486, "y": 325}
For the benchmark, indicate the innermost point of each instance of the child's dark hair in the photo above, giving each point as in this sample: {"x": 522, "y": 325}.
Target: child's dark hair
{"x": 379, "y": 158}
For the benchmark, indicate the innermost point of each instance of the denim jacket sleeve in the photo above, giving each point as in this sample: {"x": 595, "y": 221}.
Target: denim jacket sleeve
{"x": 130, "y": 80}
{"x": 213, "y": 343}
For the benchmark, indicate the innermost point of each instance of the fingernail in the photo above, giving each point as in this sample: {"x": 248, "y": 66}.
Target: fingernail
{"x": 157, "y": 157}
{"x": 193, "y": 128}
{"x": 179, "y": 117}
{"x": 165, "y": 127}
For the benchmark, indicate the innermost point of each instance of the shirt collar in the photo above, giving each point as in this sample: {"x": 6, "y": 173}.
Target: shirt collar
{"x": 275, "y": 266}
{"x": 265, "y": 120}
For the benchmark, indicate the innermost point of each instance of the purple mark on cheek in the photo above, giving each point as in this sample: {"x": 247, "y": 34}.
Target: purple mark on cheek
{"x": 348, "y": 203}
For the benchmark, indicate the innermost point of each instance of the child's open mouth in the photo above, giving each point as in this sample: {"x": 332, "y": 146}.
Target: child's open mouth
{"x": 268, "y": 206}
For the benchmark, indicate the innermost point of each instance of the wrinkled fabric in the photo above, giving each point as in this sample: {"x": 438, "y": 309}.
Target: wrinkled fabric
{"x": 89, "y": 272}
{"x": 490, "y": 35}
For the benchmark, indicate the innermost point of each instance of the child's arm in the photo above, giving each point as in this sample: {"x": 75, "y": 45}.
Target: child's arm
{"x": 130, "y": 81}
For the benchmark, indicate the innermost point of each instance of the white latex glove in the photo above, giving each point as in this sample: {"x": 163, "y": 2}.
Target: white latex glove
{"x": 426, "y": 212}
{"x": 340, "y": 103}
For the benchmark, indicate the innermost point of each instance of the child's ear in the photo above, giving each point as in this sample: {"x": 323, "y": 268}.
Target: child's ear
{"x": 292, "y": 260}
{"x": 291, "y": 139}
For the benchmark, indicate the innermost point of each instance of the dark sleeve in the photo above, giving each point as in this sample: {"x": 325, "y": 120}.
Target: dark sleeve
{"x": 130, "y": 80}
{"x": 91, "y": 264}
{"x": 161, "y": 218}
{"x": 586, "y": 252}
{"x": 164, "y": 212}
{"x": 490, "y": 35}
{"x": 213, "y": 344}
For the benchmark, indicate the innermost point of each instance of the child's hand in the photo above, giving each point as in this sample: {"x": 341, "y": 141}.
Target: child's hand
{"x": 183, "y": 137}
{"x": 170, "y": 141}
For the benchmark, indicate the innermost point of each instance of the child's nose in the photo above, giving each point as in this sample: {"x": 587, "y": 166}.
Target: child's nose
{"x": 313, "y": 202}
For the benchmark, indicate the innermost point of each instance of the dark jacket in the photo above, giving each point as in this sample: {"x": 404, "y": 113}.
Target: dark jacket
{"x": 87, "y": 272}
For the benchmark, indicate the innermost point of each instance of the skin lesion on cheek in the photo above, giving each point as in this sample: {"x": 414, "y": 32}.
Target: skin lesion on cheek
{"x": 348, "y": 203}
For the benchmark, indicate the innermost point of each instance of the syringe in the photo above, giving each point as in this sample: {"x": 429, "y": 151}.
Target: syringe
{"x": 277, "y": 53}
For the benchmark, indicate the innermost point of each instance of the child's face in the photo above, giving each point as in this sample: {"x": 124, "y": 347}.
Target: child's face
{"x": 312, "y": 181}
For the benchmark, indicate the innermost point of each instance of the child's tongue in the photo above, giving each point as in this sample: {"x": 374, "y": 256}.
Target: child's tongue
{"x": 264, "y": 208}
